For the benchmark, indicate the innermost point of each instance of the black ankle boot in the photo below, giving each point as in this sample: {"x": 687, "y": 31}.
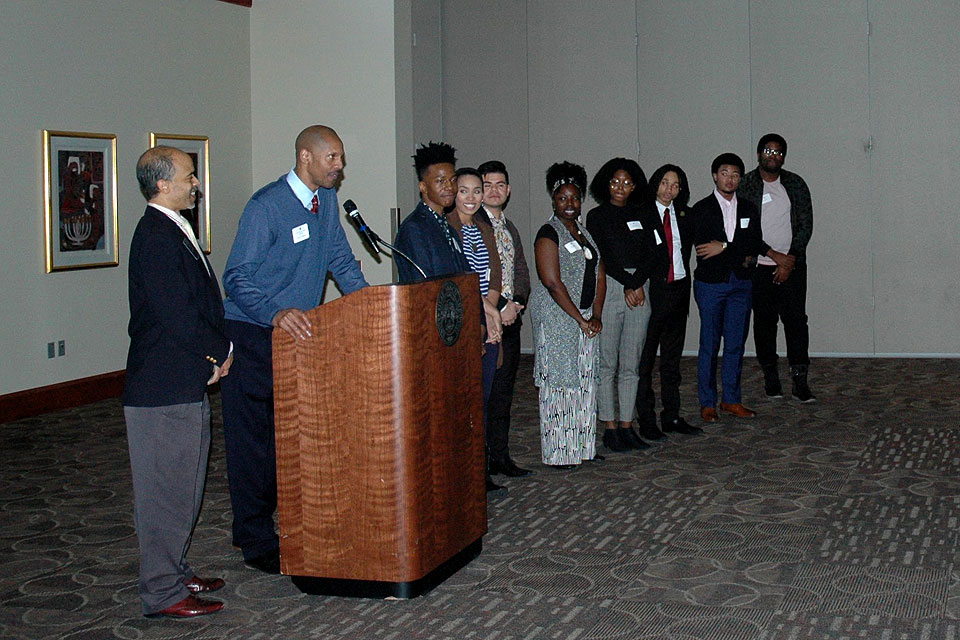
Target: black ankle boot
{"x": 798, "y": 373}
{"x": 771, "y": 381}
{"x": 612, "y": 441}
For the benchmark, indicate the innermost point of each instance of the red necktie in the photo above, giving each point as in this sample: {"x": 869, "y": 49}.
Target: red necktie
{"x": 314, "y": 205}
{"x": 668, "y": 235}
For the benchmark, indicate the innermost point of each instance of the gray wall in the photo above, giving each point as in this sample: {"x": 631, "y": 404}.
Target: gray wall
{"x": 537, "y": 81}
{"x": 123, "y": 67}
{"x": 329, "y": 62}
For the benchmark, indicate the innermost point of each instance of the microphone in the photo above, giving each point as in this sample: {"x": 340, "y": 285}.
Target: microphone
{"x": 354, "y": 214}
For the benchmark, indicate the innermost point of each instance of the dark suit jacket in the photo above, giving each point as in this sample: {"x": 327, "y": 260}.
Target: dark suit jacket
{"x": 176, "y": 317}
{"x": 740, "y": 256}
{"x": 422, "y": 238}
{"x": 682, "y": 220}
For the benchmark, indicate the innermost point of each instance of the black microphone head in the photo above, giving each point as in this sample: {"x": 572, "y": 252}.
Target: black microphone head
{"x": 349, "y": 206}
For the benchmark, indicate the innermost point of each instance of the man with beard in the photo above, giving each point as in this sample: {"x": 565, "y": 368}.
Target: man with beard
{"x": 780, "y": 290}
{"x": 288, "y": 239}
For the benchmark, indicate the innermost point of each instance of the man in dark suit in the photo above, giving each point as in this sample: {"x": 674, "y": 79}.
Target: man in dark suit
{"x": 728, "y": 240}
{"x": 177, "y": 348}
{"x": 672, "y": 226}
{"x": 432, "y": 244}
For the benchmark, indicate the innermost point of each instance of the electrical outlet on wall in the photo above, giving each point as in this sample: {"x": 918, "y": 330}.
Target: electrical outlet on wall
{"x": 51, "y": 350}
{"x": 62, "y": 348}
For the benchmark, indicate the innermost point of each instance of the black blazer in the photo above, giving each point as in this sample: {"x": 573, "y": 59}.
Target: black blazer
{"x": 176, "y": 317}
{"x": 740, "y": 256}
{"x": 682, "y": 220}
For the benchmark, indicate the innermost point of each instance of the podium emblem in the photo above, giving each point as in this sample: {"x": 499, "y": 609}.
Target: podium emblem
{"x": 449, "y": 313}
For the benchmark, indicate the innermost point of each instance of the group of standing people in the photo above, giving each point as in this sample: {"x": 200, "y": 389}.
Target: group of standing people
{"x": 607, "y": 297}
{"x": 615, "y": 291}
{"x": 459, "y": 226}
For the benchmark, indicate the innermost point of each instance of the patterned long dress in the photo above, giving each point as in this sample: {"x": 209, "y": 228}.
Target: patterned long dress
{"x": 566, "y": 363}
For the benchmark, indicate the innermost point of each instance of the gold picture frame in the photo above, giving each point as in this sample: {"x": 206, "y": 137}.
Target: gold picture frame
{"x": 80, "y": 200}
{"x": 198, "y": 148}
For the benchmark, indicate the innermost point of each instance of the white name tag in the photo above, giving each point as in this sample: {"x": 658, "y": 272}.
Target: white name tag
{"x": 300, "y": 233}
{"x": 766, "y": 198}
{"x": 744, "y": 223}
{"x": 572, "y": 247}
{"x": 656, "y": 236}
{"x": 487, "y": 274}
{"x": 634, "y": 225}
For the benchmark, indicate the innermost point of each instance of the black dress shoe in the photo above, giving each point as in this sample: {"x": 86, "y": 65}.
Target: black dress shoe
{"x": 596, "y": 458}
{"x": 562, "y": 467}
{"x": 494, "y": 488}
{"x": 681, "y": 426}
{"x": 189, "y": 607}
{"x": 612, "y": 440}
{"x": 507, "y": 467}
{"x": 268, "y": 562}
{"x": 650, "y": 432}
{"x": 630, "y": 437}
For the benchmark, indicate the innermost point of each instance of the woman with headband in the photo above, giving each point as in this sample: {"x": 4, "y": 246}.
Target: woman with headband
{"x": 625, "y": 245}
{"x": 565, "y": 309}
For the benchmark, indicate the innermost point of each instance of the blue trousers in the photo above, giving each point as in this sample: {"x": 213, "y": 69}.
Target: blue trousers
{"x": 248, "y": 434}
{"x": 724, "y": 313}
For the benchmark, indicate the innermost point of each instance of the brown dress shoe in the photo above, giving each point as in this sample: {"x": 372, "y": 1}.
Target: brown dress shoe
{"x": 189, "y": 607}
{"x": 709, "y": 414}
{"x": 197, "y": 584}
{"x": 738, "y": 410}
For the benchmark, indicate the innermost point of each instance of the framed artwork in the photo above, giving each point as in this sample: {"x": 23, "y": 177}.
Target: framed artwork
{"x": 80, "y": 200}
{"x": 198, "y": 148}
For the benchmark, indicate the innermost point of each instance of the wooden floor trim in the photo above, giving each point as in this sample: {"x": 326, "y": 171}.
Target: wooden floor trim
{"x": 64, "y": 395}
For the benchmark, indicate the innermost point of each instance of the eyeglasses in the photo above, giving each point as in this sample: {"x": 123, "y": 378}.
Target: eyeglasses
{"x": 626, "y": 184}
{"x": 773, "y": 152}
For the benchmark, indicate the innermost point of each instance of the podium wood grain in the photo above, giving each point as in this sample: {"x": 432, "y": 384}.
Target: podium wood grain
{"x": 379, "y": 436}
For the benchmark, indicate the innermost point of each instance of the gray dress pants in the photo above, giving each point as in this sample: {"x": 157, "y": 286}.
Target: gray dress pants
{"x": 169, "y": 447}
{"x": 621, "y": 343}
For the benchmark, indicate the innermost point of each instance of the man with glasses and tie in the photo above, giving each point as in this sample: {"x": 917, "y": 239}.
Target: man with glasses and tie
{"x": 780, "y": 288}
{"x": 288, "y": 239}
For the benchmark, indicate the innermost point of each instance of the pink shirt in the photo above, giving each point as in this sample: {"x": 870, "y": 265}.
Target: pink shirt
{"x": 729, "y": 210}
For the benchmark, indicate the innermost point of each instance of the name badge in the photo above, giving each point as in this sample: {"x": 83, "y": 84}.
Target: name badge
{"x": 656, "y": 236}
{"x": 766, "y": 198}
{"x": 487, "y": 274}
{"x": 744, "y": 223}
{"x": 634, "y": 225}
{"x": 301, "y": 233}
{"x": 572, "y": 247}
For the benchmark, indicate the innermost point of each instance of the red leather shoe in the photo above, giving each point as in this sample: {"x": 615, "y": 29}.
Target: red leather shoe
{"x": 738, "y": 410}
{"x": 197, "y": 584}
{"x": 189, "y": 607}
{"x": 709, "y": 414}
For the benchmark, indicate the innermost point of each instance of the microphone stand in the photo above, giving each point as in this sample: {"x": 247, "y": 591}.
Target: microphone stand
{"x": 392, "y": 248}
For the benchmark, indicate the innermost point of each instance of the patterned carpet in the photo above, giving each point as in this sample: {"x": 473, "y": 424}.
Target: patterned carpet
{"x": 835, "y": 520}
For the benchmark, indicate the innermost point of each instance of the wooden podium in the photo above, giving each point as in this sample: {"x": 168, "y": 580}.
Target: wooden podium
{"x": 379, "y": 432}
